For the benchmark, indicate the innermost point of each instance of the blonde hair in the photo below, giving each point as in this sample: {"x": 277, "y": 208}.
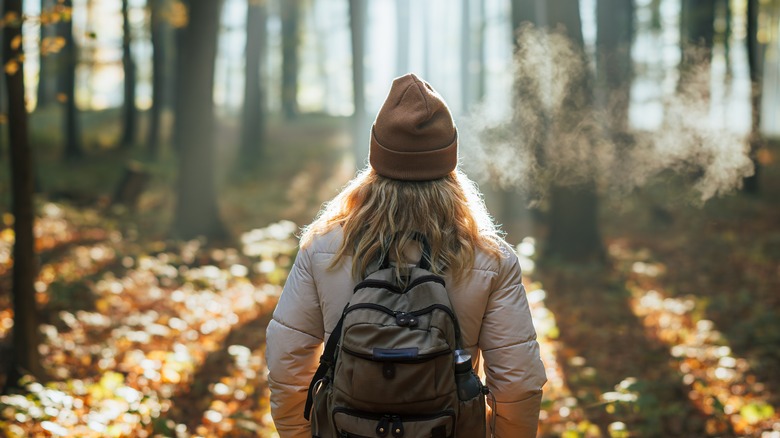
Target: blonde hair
{"x": 374, "y": 210}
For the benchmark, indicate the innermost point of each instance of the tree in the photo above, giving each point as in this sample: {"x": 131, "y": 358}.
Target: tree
{"x": 615, "y": 19}
{"x": 697, "y": 34}
{"x": 574, "y": 232}
{"x": 26, "y": 337}
{"x": 69, "y": 57}
{"x": 465, "y": 55}
{"x": 253, "y": 122}
{"x": 159, "y": 31}
{"x": 47, "y": 86}
{"x": 357, "y": 27}
{"x": 291, "y": 40}
{"x": 402, "y": 9}
{"x": 755, "y": 63}
{"x": 197, "y": 212}
{"x": 128, "y": 66}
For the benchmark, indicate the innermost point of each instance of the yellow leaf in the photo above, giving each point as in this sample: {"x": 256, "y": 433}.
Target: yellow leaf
{"x": 16, "y": 42}
{"x": 178, "y": 15}
{"x": 3, "y": 119}
{"x": 11, "y": 67}
{"x": 62, "y": 97}
{"x": 10, "y": 18}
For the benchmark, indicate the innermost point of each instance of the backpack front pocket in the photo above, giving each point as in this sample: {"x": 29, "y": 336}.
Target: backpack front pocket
{"x": 354, "y": 423}
{"x": 399, "y": 385}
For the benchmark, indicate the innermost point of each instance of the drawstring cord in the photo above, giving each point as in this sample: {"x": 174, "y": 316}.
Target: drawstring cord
{"x": 493, "y": 417}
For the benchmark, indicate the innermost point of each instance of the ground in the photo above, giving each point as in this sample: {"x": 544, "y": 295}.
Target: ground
{"x": 675, "y": 336}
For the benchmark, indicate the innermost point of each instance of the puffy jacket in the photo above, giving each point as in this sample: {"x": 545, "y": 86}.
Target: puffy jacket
{"x": 492, "y": 310}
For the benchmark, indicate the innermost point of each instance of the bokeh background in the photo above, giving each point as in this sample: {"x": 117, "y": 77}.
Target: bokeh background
{"x": 159, "y": 157}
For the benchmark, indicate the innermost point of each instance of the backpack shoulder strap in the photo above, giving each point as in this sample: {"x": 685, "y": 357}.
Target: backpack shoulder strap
{"x": 326, "y": 361}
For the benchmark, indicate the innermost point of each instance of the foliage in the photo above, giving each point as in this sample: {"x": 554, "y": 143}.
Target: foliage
{"x": 153, "y": 315}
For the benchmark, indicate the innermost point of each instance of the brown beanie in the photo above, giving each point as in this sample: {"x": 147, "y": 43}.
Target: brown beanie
{"x": 414, "y": 137}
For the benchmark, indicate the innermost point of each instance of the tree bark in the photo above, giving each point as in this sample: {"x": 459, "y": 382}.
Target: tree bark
{"x": 755, "y": 63}
{"x": 47, "y": 87}
{"x": 290, "y": 14}
{"x": 357, "y": 26}
{"x": 254, "y": 117}
{"x": 613, "y": 47}
{"x": 73, "y": 149}
{"x": 197, "y": 211}
{"x": 465, "y": 55}
{"x": 26, "y": 337}
{"x": 697, "y": 33}
{"x": 573, "y": 232}
{"x": 481, "y": 53}
{"x": 128, "y": 65}
{"x": 158, "y": 29}
{"x": 402, "y": 10}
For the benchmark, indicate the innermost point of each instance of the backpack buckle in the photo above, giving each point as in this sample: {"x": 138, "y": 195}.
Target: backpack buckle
{"x": 404, "y": 319}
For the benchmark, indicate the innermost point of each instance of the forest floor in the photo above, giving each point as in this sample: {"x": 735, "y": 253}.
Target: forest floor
{"x": 676, "y": 336}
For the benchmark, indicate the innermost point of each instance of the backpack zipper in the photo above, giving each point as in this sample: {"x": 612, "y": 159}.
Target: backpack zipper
{"x": 420, "y": 358}
{"x": 379, "y": 284}
{"x": 392, "y": 313}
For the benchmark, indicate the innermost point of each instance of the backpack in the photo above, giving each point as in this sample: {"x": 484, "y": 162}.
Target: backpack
{"x": 394, "y": 366}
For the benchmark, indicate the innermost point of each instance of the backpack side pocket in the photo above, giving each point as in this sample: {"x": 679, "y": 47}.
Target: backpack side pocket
{"x": 321, "y": 426}
{"x": 471, "y": 417}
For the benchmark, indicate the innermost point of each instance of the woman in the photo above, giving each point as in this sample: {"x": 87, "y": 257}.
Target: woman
{"x": 412, "y": 186}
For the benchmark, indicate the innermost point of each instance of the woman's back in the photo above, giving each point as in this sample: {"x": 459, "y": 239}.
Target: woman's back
{"x": 412, "y": 187}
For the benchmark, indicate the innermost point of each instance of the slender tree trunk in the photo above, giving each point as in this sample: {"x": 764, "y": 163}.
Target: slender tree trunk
{"x": 47, "y": 86}
{"x": 26, "y": 337}
{"x": 69, "y": 57}
{"x": 613, "y": 47}
{"x": 402, "y": 18}
{"x": 357, "y": 26}
{"x": 291, "y": 39}
{"x": 197, "y": 211}
{"x": 481, "y": 52}
{"x": 697, "y": 33}
{"x": 253, "y": 123}
{"x": 574, "y": 232}
{"x": 465, "y": 55}
{"x": 128, "y": 65}
{"x": 159, "y": 29}
{"x": 426, "y": 42}
{"x": 755, "y": 63}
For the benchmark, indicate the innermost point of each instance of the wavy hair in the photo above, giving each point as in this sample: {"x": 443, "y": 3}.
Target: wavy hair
{"x": 374, "y": 210}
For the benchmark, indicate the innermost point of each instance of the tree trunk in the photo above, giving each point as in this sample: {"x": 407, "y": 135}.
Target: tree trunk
{"x": 573, "y": 232}
{"x": 159, "y": 29}
{"x": 357, "y": 27}
{"x": 26, "y": 337}
{"x": 697, "y": 33}
{"x": 197, "y": 212}
{"x": 465, "y": 55}
{"x": 291, "y": 39}
{"x": 47, "y": 85}
{"x": 69, "y": 58}
{"x": 481, "y": 52}
{"x": 613, "y": 47}
{"x": 128, "y": 65}
{"x": 755, "y": 63}
{"x": 253, "y": 123}
{"x": 402, "y": 10}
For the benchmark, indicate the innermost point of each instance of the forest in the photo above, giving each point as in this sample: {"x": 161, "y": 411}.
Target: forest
{"x": 159, "y": 158}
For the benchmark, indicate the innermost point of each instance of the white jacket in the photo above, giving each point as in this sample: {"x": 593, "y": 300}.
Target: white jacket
{"x": 489, "y": 301}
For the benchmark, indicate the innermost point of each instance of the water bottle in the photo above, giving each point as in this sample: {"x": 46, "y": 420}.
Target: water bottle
{"x": 467, "y": 381}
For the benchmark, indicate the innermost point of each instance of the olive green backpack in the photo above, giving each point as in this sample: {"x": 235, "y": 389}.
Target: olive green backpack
{"x": 389, "y": 367}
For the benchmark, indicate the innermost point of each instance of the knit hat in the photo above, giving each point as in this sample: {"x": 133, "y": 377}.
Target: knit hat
{"x": 414, "y": 137}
